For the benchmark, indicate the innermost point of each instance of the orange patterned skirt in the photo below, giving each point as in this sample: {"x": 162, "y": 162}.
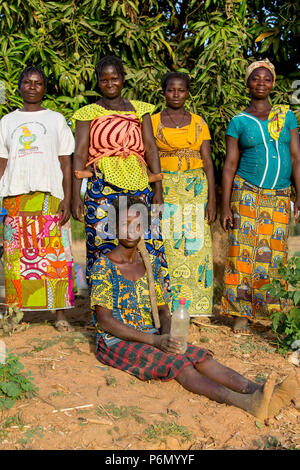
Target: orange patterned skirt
{"x": 257, "y": 243}
{"x": 38, "y": 262}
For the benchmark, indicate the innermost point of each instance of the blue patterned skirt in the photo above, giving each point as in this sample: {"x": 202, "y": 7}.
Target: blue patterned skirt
{"x": 98, "y": 197}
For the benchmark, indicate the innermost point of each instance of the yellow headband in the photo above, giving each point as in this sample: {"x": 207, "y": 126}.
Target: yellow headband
{"x": 261, "y": 63}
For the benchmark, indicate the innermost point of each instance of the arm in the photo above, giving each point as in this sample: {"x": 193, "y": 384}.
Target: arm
{"x": 229, "y": 170}
{"x": 152, "y": 157}
{"x": 210, "y": 211}
{"x": 295, "y": 156}
{"x": 80, "y": 157}
{"x": 3, "y": 163}
{"x": 64, "y": 205}
{"x": 118, "y": 329}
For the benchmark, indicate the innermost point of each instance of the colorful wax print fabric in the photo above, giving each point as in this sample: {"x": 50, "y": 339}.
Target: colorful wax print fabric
{"x": 129, "y": 300}
{"x": 179, "y": 148}
{"x": 187, "y": 240}
{"x": 186, "y": 234}
{"x": 99, "y": 238}
{"x": 257, "y": 244}
{"x": 116, "y": 145}
{"x": 37, "y": 254}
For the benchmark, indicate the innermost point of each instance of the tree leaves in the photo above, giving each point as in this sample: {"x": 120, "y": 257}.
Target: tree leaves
{"x": 286, "y": 288}
{"x": 212, "y": 40}
{"x": 263, "y": 36}
{"x": 14, "y": 384}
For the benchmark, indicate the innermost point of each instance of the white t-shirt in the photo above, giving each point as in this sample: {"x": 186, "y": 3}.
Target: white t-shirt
{"x": 32, "y": 143}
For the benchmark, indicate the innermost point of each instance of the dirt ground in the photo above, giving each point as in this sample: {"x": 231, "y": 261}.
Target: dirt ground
{"x": 85, "y": 405}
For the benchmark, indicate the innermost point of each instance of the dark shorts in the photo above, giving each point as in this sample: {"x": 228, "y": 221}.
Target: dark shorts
{"x": 146, "y": 362}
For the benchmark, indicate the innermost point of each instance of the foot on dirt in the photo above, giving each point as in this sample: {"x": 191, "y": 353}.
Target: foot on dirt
{"x": 63, "y": 326}
{"x": 260, "y": 400}
{"x": 241, "y": 327}
{"x": 283, "y": 394}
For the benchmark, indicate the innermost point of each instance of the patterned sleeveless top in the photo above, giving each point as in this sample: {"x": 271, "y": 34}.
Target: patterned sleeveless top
{"x": 116, "y": 144}
{"x": 118, "y": 135}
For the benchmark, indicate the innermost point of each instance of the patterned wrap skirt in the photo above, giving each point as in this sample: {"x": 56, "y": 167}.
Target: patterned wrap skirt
{"x": 187, "y": 240}
{"x": 146, "y": 362}
{"x": 257, "y": 243}
{"x": 38, "y": 262}
{"x": 99, "y": 240}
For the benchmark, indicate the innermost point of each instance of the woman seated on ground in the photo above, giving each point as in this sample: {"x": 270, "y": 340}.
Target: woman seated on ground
{"x": 128, "y": 340}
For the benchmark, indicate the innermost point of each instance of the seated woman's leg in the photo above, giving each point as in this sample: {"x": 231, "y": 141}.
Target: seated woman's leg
{"x": 225, "y": 376}
{"x": 283, "y": 393}
{"x": 256, "y": 403}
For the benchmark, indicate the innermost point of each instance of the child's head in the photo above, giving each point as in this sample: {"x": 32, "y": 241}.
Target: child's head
{"x": 131, "y": 219}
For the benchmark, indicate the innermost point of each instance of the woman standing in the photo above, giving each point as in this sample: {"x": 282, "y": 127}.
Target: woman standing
{"x": 263, "y": 151}
{"x": 115, "y": 137}
{"x": 183, "y": 140}
{"x": 35, "y": 170}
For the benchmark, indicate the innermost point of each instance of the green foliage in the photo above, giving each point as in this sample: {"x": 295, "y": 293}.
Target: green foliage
{"x": 71, "y": 340}
{"x": 7, "y": 423}
{"x": 121, "y": 412}
{"x": 11, "y": 321}
{"x": 161, "y": 430}
{"x": 213, "y": 40}
{"x": 286, "y": 288}
{"x": 294, "y": 229}
{"x": 14, "y": 384}
{"x": 78, "y": 230}
{"x": 37, "y": 431}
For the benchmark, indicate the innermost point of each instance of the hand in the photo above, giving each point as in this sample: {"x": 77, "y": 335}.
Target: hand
{"x": 158, "y": 200}
{"x": 157, "y": 195}
{"x": 227, "y": 219}
{"x": 297, "y": 210}
{"x": 64, "y": 211}
{"x": 78, "y": 209}
{"x": 211, "y": 211}
{"x": 167, "y": 344}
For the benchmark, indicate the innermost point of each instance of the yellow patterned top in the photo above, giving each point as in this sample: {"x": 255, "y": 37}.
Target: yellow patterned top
{"x": 124, "y": 173}
{"x": 179, "y": 148}
{"x": 129, "y": 300}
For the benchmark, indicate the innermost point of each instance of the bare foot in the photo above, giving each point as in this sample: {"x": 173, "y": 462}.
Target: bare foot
{"x": 80, "y": 174}
{"x": 283, "y": 394}
{"x": 260, "y": 400}
{"x": 62, "y": 323}
{"x": 153, "y": 177}
{"x": 241, "y": 327}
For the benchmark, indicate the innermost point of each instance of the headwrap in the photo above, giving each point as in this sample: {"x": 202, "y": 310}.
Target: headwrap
{"x": 261, "y": 63}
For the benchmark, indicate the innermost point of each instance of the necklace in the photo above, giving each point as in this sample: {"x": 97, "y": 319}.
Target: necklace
{"x": 117, "y": 107}
{"x": 177, "y": 125}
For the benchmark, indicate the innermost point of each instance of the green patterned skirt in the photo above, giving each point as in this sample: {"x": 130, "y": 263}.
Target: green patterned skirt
{"x": 187, "y": 240}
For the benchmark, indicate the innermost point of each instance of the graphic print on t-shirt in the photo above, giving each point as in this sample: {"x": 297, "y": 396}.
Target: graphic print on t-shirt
{"x": 29, "y": 132}
{"x": 27, "y": 138}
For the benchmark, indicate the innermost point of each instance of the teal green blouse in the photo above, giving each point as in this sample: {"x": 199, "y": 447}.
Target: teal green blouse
{"x": 264, "y": 161}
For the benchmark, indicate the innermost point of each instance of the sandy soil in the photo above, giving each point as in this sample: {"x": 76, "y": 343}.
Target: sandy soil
{"x": 85, "y": 405}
